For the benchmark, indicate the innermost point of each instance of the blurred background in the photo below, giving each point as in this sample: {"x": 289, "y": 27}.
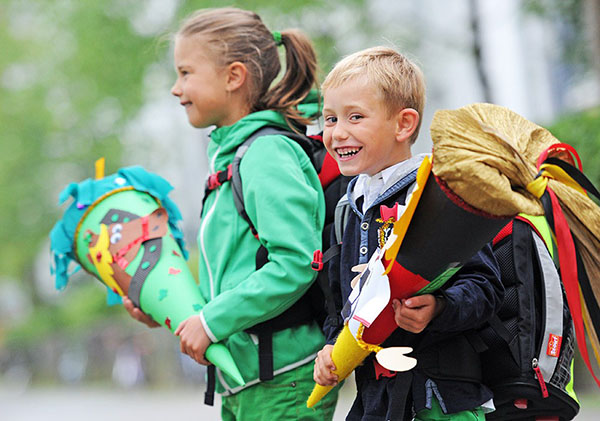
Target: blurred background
{"x": 82, "y": 79}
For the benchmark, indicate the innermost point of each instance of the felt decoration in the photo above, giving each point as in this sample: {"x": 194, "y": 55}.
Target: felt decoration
{"x": 122, "y": 229}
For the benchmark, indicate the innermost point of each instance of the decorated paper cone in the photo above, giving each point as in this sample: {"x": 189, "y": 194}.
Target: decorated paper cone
{"x": 347, "y": 355}
{"x": 125, "y": 239}
{"x": 430, "y": 241}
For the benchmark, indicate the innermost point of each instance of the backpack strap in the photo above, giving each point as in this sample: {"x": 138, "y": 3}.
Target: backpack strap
{"x": 342, "y": 212}
{"x": 553, "y": 296}
{"x": 301, "y": 311}
{"x": 236, "y": 180}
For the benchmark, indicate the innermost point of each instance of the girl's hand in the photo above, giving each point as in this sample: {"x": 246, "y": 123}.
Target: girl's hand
{"x": 323, "y": 373}
{"x": 415, "y": 313}
{"x": 194, "y": 339}
{"x": 138, "y": 314}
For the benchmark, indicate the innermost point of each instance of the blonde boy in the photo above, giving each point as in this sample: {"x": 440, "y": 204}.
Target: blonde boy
{"x": 373, "y": 102}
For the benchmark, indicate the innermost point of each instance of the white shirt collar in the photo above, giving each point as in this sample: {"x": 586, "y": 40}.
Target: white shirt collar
{"x": 372, "y": 186}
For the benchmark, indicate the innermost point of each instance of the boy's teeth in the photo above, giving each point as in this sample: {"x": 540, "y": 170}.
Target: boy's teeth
{"x": 347, "y": 152}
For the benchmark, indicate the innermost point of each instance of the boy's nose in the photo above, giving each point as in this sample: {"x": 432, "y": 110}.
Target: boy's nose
{"x": 339, "y": 132}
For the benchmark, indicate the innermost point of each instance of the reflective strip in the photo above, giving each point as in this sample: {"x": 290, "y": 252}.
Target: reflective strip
{"x": 554, "y": 307}
{"x": 231, "y": 391}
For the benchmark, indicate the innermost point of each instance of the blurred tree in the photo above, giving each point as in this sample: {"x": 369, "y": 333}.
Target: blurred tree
{"x": 582, "y": 130}
{"x": 579, "y": 23}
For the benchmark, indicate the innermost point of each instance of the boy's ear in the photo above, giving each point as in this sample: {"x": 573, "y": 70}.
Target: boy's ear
{"x": 236, "y": 74}
{"x": 407, "y": 121}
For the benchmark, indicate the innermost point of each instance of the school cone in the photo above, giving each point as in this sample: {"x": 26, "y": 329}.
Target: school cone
{"x": 122, "y": 230}
{"x": 430, "y": 241}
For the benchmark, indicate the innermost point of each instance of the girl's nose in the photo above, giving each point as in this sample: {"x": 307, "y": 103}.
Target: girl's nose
{"x": 176, "y": 90}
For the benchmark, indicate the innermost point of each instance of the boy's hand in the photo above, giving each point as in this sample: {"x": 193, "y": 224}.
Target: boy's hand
{"x": 415, "y": 313}
{"x": 194, "y": 339}
{"x": 323, "y": 372}
{"x": 138, "y": 314}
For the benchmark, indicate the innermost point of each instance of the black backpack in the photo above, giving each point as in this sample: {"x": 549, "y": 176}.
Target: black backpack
{"x": 313, "y": 306}
{"x": 533, "y": 321}
{"x": 530, "y": 341}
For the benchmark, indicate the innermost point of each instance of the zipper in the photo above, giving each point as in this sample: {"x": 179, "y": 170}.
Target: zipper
{"x": 540, "y": 377}
{"x": 203, "y": 226}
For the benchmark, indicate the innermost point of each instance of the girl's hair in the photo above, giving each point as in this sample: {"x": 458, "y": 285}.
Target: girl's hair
{"x": 233, "y": 34}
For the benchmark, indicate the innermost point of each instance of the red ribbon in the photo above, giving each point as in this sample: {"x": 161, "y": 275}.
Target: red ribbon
{"x": 568, "y": 267}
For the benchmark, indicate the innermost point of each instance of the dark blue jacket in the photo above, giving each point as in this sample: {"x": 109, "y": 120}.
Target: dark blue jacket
{"x": 472, "y": 296}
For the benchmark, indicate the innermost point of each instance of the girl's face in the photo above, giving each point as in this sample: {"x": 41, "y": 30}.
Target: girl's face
{"x": 201, "y": 85}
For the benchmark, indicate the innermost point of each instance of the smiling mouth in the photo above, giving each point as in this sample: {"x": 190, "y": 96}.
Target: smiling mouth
{"x": 347, "y": 152}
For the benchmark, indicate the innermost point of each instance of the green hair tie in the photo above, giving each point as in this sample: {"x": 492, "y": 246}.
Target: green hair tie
{"x": 277, "y": 38}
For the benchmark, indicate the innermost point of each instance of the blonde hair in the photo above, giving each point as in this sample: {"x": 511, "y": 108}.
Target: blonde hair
{"x": 400, "y": 81}
{"x": 233, "y": 34}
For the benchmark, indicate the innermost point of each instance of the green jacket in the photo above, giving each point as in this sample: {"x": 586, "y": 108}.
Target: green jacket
{"x": 284, "y": 199}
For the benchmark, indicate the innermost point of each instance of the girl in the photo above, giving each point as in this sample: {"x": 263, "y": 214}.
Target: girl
{"x": 226, "y": 60}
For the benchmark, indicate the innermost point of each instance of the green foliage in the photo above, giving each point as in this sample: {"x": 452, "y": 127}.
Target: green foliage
{"x": 570, "y": 15}
{"x": 73, "y": 316}
{"x": 71, "y": 77}
{"x": 582, "y": 131}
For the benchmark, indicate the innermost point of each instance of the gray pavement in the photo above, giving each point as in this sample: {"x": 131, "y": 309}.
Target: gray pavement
{"x": 101, "y": 404}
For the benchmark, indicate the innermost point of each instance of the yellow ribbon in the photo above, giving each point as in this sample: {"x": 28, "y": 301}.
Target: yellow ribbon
{"x": 549, "y": 171}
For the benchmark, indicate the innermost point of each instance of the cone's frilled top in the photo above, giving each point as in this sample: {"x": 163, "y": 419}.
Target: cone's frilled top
{"x": 483, "y": 145}
{"x": 86, "y": 193}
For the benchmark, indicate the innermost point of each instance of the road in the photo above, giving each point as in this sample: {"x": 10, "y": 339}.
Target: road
{"x": 99, "y": 404}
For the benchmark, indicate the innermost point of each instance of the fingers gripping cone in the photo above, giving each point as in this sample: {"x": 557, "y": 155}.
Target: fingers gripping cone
{"x": 422, "y": 253}
{"x": 347, "y": 355}
{"x": 122, "y": 230}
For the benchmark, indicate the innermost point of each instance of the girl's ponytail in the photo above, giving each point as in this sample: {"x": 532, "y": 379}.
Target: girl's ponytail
{"x": 299, "y": 78}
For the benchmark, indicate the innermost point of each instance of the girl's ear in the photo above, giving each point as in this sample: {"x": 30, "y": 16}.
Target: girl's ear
{"x": 407, "y": 121}
{"x": 236, "y": 74}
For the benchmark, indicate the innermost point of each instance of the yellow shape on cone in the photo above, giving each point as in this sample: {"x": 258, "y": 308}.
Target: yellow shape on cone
{"x": 347, "y": 354}
{"x": 102, "y": 259}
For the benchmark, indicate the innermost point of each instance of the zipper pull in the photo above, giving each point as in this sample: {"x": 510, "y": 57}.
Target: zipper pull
{"x": 540, "y": 377}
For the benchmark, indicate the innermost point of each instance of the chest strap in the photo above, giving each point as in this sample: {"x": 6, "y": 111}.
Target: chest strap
{"x": 217, "y": 179}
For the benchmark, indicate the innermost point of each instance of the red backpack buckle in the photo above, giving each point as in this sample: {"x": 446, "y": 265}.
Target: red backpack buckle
{"x": 317, "y": 263}
{"x": 213, "y": 181}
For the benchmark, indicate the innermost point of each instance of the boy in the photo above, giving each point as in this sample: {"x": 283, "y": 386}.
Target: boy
{"x": 373, "y": 101}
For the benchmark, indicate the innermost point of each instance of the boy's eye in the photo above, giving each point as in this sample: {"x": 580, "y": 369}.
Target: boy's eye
{"x": 355, "y": 117}
{"x": 330, "y": 120}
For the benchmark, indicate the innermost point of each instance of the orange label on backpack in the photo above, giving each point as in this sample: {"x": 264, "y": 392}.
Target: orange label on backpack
{"x": 554, "y": 345}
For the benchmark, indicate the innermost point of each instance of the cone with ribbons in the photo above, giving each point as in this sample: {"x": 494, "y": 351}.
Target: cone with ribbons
{"x": 123, "y": 230}
{"x": 431, "y": 238}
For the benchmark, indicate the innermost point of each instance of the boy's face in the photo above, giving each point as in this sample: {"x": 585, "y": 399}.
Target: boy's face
{"x": 359, "y": 132}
